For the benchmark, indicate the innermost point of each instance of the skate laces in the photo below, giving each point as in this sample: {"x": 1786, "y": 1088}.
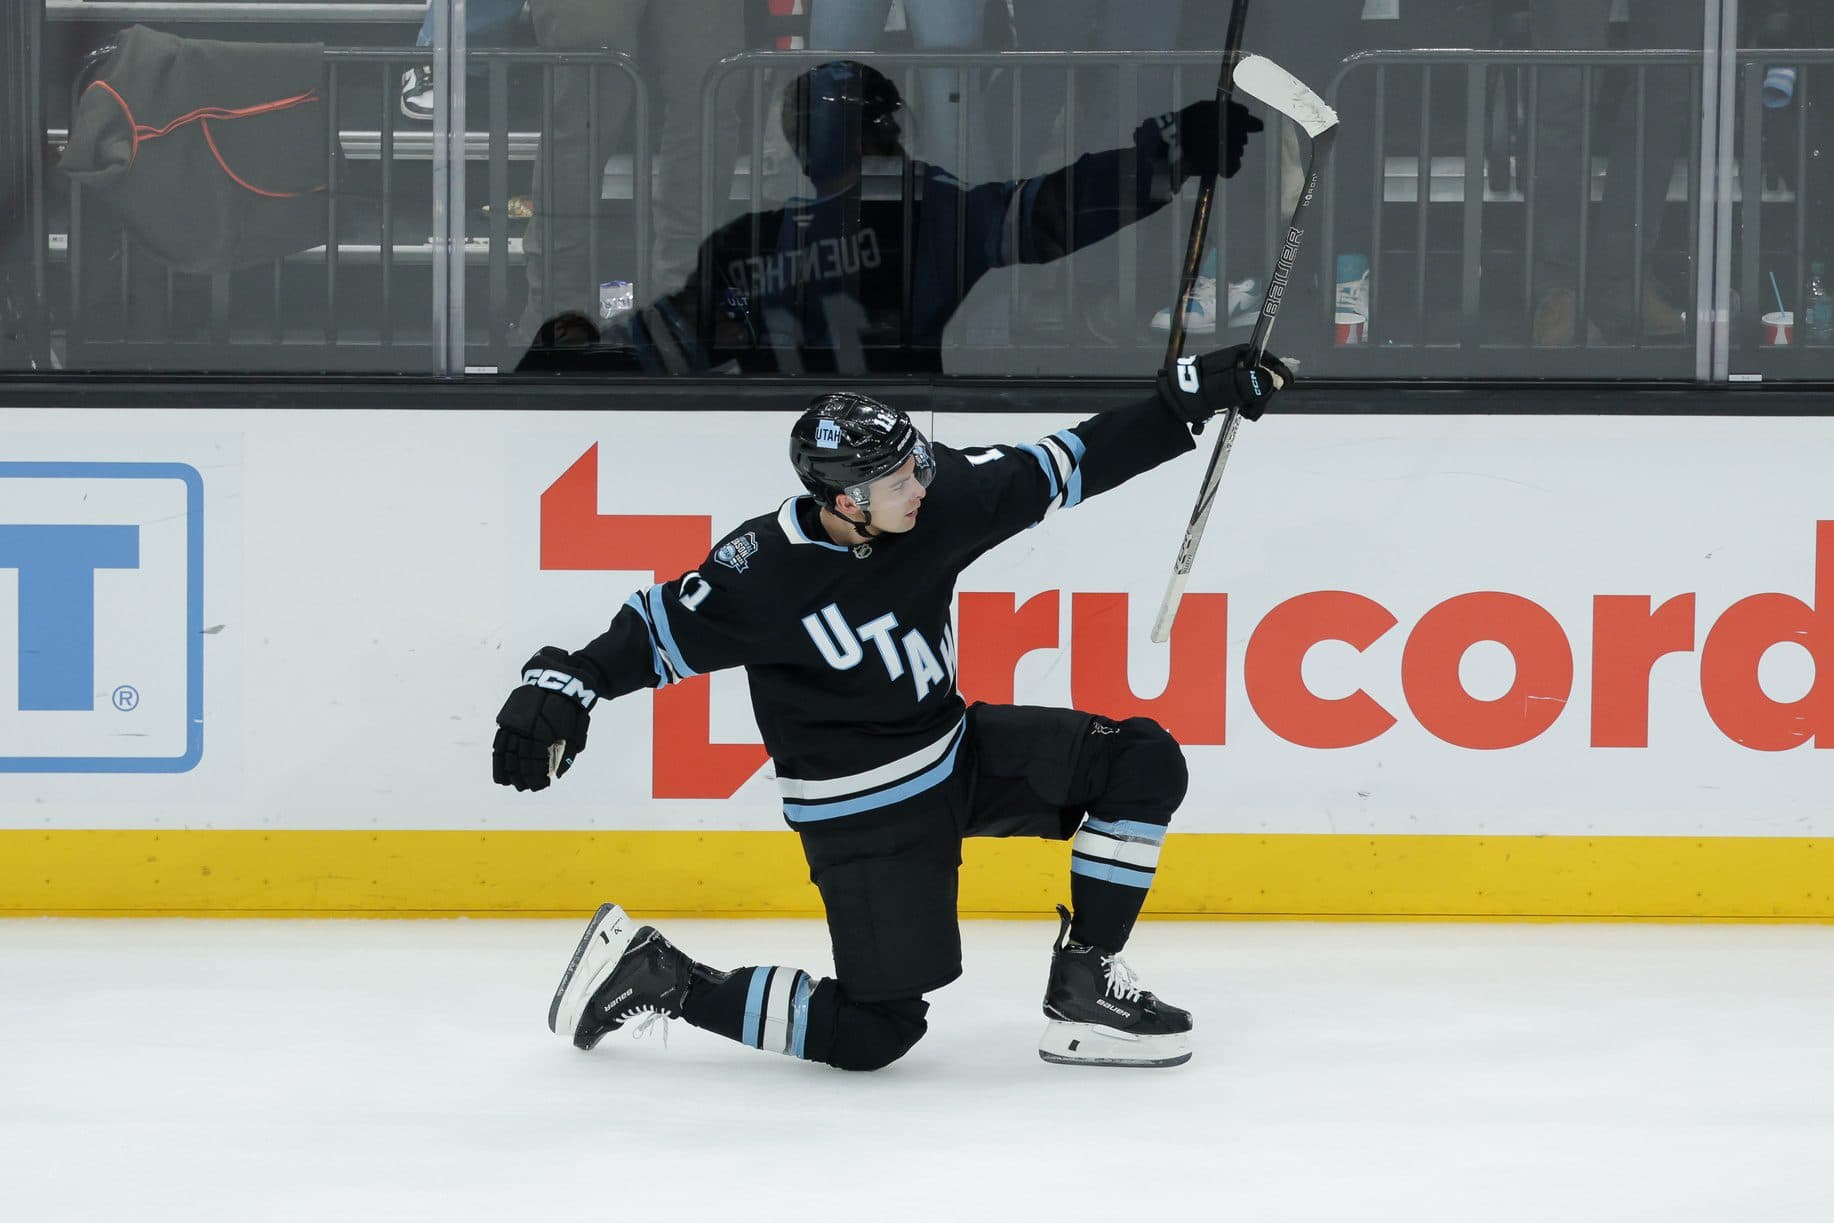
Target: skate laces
{"x": 1122, "y": 983}
{"x": 647, "y": 1018}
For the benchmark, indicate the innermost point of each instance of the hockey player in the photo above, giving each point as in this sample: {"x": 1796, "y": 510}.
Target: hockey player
{"x": 838, "y": 607}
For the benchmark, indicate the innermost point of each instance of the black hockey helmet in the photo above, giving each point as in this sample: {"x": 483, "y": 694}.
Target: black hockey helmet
{"x": 836, "y": 113}
{"x": 845, "y": 441}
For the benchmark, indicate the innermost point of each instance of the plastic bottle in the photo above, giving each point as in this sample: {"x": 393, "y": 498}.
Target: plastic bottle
{"x": 1818, "y": 318}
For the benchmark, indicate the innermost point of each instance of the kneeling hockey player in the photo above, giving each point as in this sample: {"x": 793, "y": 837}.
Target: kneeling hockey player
{"x": 838, "y": 607}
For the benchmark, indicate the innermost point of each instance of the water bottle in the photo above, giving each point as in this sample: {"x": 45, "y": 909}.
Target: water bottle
{"x": 1818, "y": 318}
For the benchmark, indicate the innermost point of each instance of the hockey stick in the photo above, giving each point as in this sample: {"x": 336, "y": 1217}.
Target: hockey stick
{"x": 1206, "y": 190}
{"x": 1265, "y": 81}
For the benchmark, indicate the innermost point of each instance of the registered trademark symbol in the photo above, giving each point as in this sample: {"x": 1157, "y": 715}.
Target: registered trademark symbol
{"x": 126, "y": 698}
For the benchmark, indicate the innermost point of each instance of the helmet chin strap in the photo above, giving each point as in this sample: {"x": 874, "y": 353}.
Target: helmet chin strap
{"x": 864, "y": 527}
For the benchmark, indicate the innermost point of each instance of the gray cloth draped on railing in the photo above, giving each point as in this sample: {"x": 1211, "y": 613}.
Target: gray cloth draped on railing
{"x": 213, "y": 153}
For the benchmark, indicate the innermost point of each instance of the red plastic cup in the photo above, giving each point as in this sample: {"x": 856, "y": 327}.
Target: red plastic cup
{"x": 1351, "y": 328}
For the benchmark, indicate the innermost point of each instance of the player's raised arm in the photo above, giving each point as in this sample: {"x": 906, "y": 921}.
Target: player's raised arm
{"x": 1024, "y": 484}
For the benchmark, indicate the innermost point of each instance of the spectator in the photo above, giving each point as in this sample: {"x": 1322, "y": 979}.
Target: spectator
{"x": 936, "y": 25}
{"x": 1627, "y": 225}
{"x": 488, "y": 23}
{"x": 830, "y": 284}
{"x": 677, "y": 42}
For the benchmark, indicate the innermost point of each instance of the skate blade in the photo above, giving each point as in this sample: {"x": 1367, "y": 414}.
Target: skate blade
{"x": 600, "y": 947}
{"x": 1091, "y": 1044}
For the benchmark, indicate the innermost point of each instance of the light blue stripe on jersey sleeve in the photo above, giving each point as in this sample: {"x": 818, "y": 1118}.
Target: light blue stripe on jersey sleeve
{"x": 754, "y": 1007}
{"x": 635, "y": 603}
{"x": 1131, "y": 830}
{"x": 808, "y": 813}
{"x": 1108, "y": 872}
{"x": 1044, "y": 461}
{"x": 1074, "y": 491}
{"x": 659, "y": 616}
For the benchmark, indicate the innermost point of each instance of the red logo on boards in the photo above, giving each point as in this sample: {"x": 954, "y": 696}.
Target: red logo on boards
{"x": 994, "y": 631}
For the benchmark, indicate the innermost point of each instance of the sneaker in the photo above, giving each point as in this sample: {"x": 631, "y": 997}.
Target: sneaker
{"x": 1200, "y": 311}
{"x": 1101, "y": 1017}
{"x": 417, "y": 92}
{"x": 1244, "y": 301}
{"x": 619, "y": 972}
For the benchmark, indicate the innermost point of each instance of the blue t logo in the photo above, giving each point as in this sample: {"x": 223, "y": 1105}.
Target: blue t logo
{"x": 57, "y": 606}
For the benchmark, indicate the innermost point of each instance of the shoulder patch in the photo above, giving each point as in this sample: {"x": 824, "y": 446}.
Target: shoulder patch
{"x": 736, "y": 553}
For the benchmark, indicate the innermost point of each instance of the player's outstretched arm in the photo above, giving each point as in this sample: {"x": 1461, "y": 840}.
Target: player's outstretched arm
{"x": 1112, "y": 447}
{"x": 670, "y": 632}
{"x": 1117, "y": 445}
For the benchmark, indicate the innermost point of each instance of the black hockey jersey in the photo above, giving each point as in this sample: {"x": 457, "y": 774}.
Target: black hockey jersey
{"x": 850, "y": 653}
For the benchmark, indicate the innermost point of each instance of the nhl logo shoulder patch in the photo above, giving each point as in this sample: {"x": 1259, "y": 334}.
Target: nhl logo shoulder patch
{"x": 736, "y": 553}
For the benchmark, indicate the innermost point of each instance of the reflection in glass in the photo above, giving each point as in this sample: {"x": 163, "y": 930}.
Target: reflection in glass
{"x": 863, "y": 273}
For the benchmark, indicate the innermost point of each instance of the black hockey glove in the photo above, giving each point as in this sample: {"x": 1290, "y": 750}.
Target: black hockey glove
{"x": 1212, "y": 140}
{"x": 1200, "y": 387}
{"x": 542, "y": 726}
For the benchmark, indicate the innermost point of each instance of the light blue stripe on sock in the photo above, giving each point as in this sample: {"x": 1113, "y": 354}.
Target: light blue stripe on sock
{"x": 799, "y": 1012}
{"x": 1109, "y": 872}
{"x": 1132, "y": 830}
{"x": 754, "y": 1007}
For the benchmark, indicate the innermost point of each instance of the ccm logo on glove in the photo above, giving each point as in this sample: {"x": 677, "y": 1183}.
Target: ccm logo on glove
{"x": 561, "y": 682}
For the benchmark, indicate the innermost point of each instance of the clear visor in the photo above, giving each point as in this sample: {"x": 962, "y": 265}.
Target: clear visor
{"x": 896, "y": 485}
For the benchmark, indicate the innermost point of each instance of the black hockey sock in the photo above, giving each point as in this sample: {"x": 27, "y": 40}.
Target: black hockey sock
{"x": 765, "y": 1007}
{"x": 1105, "y": 912}
{"x": 1112, "y": 863}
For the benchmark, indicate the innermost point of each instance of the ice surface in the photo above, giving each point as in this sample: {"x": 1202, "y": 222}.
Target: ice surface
{"x": 402, "y": 1070}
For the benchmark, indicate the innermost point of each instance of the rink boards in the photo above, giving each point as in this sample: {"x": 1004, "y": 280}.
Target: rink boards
{"x": 1427, "y": 666}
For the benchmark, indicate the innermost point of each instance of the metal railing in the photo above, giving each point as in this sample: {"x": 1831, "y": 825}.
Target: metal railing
{"x": 171, "y": 12}
{"x": 1460, "y": 215}
{"x": 1448, "y": 153}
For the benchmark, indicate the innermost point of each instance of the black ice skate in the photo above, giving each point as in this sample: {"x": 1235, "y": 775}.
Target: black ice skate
{"x": 619, "y": 972}
{"x": 1101, "y": 1017}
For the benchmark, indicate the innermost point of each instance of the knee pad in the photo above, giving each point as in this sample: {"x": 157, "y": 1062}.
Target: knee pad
{"x": 873, "y": 1035}
{"x": 1146, "y": 770}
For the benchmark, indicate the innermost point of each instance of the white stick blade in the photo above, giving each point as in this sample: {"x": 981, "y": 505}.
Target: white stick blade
{"x": 1265, "y": 81}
